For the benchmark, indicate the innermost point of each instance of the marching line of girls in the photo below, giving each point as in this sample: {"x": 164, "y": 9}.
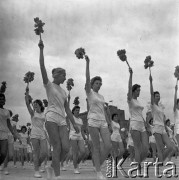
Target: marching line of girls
{"x": 102, "y": 127}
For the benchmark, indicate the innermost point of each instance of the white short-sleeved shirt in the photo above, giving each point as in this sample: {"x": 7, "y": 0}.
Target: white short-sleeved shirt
{"x": 56, "y": 98}
{"x": 158, "y": 115}
{"x": 96, "y": 106}
{"x": 176, "y": 118}
{"x": 38, "y": 121}
{"x": 115, "y": 127}
{"x": 23, "y": 138}
{"x": 135, "y": 110}
{"x": 79, "y": 123}
{"x": 4, "y": 115}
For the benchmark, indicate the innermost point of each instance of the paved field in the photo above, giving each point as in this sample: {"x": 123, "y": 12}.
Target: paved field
{"x": 87, "y": 172}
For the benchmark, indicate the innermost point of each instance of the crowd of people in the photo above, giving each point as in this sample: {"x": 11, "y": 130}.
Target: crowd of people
{"x": 59, "y": 130}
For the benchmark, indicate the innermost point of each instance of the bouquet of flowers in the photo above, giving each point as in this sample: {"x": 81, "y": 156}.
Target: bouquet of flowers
{"x": 122, "y": 56}
{"x": 70, "y": 83}
{"x": 38, "y": 26}
{"x": 80, "y": 52}
{"x": 45, "y": 102}
{"x": 76, "y": 101}
{"x": 148, "y": 63}
{"x": 29, "y": 77}
{"x": 15, "y": 118}
{"x": 176, "y": 73}
{"x": 3, "y": 87}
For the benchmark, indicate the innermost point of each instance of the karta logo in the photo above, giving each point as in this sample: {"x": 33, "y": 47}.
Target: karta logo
{"x": 114, "y": 167}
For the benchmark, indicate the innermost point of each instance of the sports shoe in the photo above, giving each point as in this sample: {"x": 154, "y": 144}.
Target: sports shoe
{"x": 49, "y": 172}
{"x": 1, "y": 168}
{"x": 63, "y": 168}
{"x": 6, "y": 172}
{"x": 76, "y": 171}
{"x": 42, "y": 170}
{"x": 100, "y": 176}
{"x": 57, "y": 178}
{"x": 37, "y": 174}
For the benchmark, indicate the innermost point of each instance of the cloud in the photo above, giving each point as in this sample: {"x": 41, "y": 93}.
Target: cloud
{"x": 100, "y": 26}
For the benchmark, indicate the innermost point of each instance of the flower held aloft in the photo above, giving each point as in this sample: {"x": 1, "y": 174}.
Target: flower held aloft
{"x": 3, "y": 87}
{"x": 176, "y": 73}
{"x": 29, "y": 77}
{"x": 76, "y": 101}
{"x": 122, "y": 56}
{"x": 148, "y": 63}
{"x": 80, "y": 52}
{"x": 38, "y": 26}
{"x": 70, "y": 83}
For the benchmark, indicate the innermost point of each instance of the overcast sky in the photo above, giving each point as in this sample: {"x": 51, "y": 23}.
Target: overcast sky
{"x": 142, "y": 27}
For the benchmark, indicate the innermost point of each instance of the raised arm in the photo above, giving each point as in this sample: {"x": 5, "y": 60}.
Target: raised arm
{"x": 27, "y": 98}
{"x": 68, "y": 100}
{"x": 12, "y": 130}
{"x": 151, "y": 90}
{"x": 70, "y": 116}
{"x": 88, "y": 85}
{"x": 129, "y": 95}
{"x": 42, "y": 65}
{"x": 175, "y": 98}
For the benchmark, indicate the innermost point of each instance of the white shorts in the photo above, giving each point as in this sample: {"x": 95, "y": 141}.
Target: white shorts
{"x": 159, "y": 129}
{"x": 97, "y": 123}
{"x": 3, "y": 135}
{"x": 116, "y": 138}
{"x": 56, "y": 118}
{"x": 176, "y": 130}
{"x": 152, "y": 139}
{"x": 79, "y": 138}
{"x": 137, "y": 125}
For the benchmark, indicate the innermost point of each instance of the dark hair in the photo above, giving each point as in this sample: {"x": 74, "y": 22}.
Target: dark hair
{"x": 168, "y": 120}
{"x": 39, "y": 102}
{"x": 156, "y": 92}
{"x": 114, "y": 115}
{"x": 96, "y": 78}
{"x": 24, "y": 127}
{"x": 75, "y": 107}
{"x": 2, "y": 95}
{"x": 177, "y": 101}
{"x": 150, "y": 120}
{"x": 135, "y": 86}
{"x": 10, "y": 112}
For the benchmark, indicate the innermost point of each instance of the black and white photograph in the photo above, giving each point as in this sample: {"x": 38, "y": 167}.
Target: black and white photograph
{"x": 89, "y": 89}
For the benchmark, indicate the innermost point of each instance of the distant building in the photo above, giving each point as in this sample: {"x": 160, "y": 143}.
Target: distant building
{"x": 113, "y": 109}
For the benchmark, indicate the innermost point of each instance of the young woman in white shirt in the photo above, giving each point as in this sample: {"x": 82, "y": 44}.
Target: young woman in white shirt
{"x": 160, "y": 133}
{"x": 98, "y": 121}
{"x": 170, "y": 133}
{"x": 55, "y": 115}
{"x": 152, "y": 140}
{"x": 137, "y": 126}
{"x": 38, "y": 134}
{"x": 77, "y": 142}
{"x": 176, "y": 114}
{"x": 117, "y": 144}
{"x": 23, "y": 146}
